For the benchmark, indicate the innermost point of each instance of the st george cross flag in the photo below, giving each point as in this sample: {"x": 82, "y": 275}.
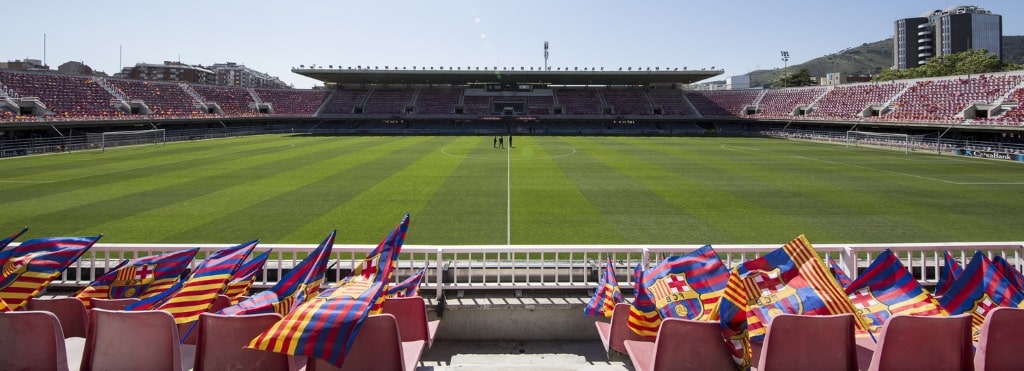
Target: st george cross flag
{"x": 948, "y": 273}
{"x": 978, "y": 290}
{"x": 243, "y": 278}
{"x": 1009, "y": 272}
{"x": 408, "y": 288}
{"x": 281, "y": 298}
{"x": 886, "y": 289}
{"x": 607, "y": 294}
{"x": 7, "y": 241}
{"x": 195, "y": 294}
{"x": 29, "y": 267}
{"x": 326, "y": 326}
{"x": 139, "y": 278}
{"x": 684, "y": 286}
{"x": 838, "y": 273}
{"x": 789, "y": 280}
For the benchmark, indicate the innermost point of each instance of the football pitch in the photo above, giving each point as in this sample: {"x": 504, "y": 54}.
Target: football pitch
{"x": 544, "y": 190}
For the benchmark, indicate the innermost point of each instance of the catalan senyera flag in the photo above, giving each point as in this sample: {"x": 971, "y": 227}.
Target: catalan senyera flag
{"x": 886, "y": 288}
{"x": 196, "y": 293}
{"x": 838, "y": 273}
{"x": 326, "y": 326}
{"x": 948, "y": 273}
{"x": 142, "y": 277}
{"x": 1009, "y": 272}
{"x": 410, "y": 287}
{"x": 7, "y": 241}
{"x": 979, "y": 290}
{"x": 607, "y": 294}
{"x": 281, "y": 298}
{"x": 243, "y": 278}
{"x": 789, "y": 280}
{"x": 29, "y": 267}
{"x": 683, "y": 286}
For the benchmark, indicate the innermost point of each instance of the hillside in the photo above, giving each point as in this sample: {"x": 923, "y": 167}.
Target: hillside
{"x": 868, "y": 58}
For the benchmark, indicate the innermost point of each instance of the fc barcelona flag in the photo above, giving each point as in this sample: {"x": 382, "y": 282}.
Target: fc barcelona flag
{"x": 1009, "y": 272}
{"x": 408, "y": 288}
{"x": 29, "y": 267}
{"x": 326, "y": 326}
{"x": 886, "y": 288}
{"x": 141, "y": 278}
{"x": 685, "y": 286}
{"x": 7, "y": 241}
{"x": 978, "y": 290}
{"x": 3, "y": 306}
{"x": 948, "y": 273}
{"x": 838, "y": 273}
{"x": 607, "y": 294}
{"x": 242, "y": 280}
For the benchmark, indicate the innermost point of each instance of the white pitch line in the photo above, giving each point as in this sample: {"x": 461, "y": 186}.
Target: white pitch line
{"x": 508, "y": 195}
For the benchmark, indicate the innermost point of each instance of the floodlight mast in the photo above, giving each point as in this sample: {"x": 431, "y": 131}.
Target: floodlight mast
{"x": 545, "y": 55}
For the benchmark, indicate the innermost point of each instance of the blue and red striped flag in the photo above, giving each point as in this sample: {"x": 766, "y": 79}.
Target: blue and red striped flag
{"x": 979, "y": 290}
{"x": 29, "y": 267}
{"x": 281, "y": 298}
{"x": 193, "y": 296}
{"x": 838, "y": 273}
{"x": 1009, "y": 272}
{"x": 7, "y": 241}
{"x": 142, "y": 278}
{"x": 243, "y": 278}
{"x": 326, "y": 326}
{"x": 408, "y": 288}
{"x": 886, "y": 288}
{"x": 607, "y": 294}
{"x": 948, "y": 273}
{"x": 684, "y": 286}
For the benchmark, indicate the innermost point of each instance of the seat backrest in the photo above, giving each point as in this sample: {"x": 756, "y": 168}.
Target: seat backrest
{"x": 924, "y": 343}
{"x": 411, "y": 314}
{"x": 684, "y": 344}
{"x": 790, "y": 337}
{"x": 70, "y": 311}
{"x": 620, "y": 331}
{"x": 378, "y": 346}
{"x": 1000, "y": 341}
{"x": 31, "y": 340}
{"x": 131, "y": 340}
{"x": 112, "y": 304}
{"x": 222, "y": 301}
{"x": 221, "y": 343}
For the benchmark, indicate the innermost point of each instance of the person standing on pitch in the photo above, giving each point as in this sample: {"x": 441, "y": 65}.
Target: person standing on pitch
{"x": 495, "y": 142}
{"x": 501, "y": 141}
{"x": 509, "y": 141}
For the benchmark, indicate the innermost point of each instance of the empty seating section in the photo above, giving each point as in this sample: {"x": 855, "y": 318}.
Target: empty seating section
{"x": 69, "y": 97}
{"x": 1014, "y": 116}
{"x": 293, "y": 101}
{"x": 233, "y": 101}
{"x": 579, "y": 101}
{"x": 390, "y": 101}
{"x": 437, "y": 100}
{"x": 846, "y": 101}
{"x": 539, "y": 105}
{"x": 627, "y": 101}
{"x": 164, "y": 99}
{"x": 942, "y": 99}
{"x": 780, "y": 103}
{"x": 722, "y": 102}
{"x": 345, "y": 101}
{"x": 671, "y": 101}
{"x": 476, "y": 105}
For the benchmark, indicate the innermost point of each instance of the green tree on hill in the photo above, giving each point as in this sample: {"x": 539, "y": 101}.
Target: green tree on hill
{"x": 965, "y": 63}
{"x": 801, "y": 78}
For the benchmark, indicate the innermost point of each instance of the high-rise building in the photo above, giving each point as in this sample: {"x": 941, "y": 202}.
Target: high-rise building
{"x": 234, "y": 74}
{"x": 943, "y": 32}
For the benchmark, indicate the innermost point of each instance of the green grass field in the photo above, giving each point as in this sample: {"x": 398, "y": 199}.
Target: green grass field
{"x": 563, "y": 190}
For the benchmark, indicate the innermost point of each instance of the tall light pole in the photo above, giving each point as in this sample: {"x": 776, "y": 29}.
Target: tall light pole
{"x": 785, "y": 63}
{"x": 545, "y": 55}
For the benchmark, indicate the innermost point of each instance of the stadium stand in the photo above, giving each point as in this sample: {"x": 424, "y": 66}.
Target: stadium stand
{"x": 164, "y": 99}
{"x": 293, "y": 101}
{"x": 437, "y": 100}
{"x": 940, "y": 100}
{"x": 389, "y": 101}
{"x": 781, "y": 103}
{"x": 845, "y": 102}
{"x": 728, "y": 103}
{"x": 671, "y": 101}
{"x": 627, "y": 101}
{"x": 233, "y": 101}
{"x": 68, "y": 97}
{"x": 344, "y": 101}
{"x": 540, "y": 105}
{"x": 1015, "y": 114}
{"x": 579, "y": 101}
{"x": 476, "y": 105}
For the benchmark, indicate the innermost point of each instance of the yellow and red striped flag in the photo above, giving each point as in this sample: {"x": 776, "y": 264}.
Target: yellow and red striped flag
{"x": 29, "y": 267}
{"x": 242, "y": 280}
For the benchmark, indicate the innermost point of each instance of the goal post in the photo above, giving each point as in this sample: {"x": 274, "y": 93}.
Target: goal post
{"x": 128, "y": 138}
{"x": 902, "y": 142}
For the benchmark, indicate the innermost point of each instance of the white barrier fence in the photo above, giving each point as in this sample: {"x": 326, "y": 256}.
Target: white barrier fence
{"x": 535, "y": 267}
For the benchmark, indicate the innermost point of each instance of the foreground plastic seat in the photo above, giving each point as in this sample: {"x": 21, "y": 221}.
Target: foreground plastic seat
{"x": 615, "y": 332}
{"x": 221, "y": 302}
{"x": 221, "y": 343}
{"x": 379, "y": 347}
{"x": 682, "y": 344}
{"x": 411, "y": 313}
{"x": 111, "y": 304}
{"x": 795, "y": 342}
{"x": 924, "y": 343}
{"x": 136, "y": 340}
{"x": 70, "y": 311}
{"x": 32, "y": 340}
{"x": 1001, "y": 341}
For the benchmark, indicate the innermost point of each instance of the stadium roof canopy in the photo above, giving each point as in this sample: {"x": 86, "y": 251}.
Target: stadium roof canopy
{"x": 465, "y": 77}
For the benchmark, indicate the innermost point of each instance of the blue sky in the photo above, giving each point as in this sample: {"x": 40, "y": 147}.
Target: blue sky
{"x": 274, "y": 36}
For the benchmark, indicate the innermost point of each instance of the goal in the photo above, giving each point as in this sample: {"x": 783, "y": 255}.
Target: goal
{"x": 127, "y": 138}
{"x": 902, "y": 142}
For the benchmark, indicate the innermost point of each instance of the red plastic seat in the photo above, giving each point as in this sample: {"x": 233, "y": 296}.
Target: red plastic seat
{"x": 378, "y": 347}
{"x": 32, "y": 340}
{"x": 70, "y": 311}
{"x": 1000, "y": 341}
{"x": 682, "y": 344}
{"x": 924, "y": 343}
{"x": 411, "y": 313}
{"x": 615, "y": 332}
{"x": 790, "y": 337}
{"x": 134, "y": 340}
{"x": 221, "y": 302}
{"x": 221, "y": 343}
{"x": 112, "y": 304}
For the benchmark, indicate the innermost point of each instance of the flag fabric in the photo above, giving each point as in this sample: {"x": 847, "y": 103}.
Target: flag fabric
{"x": 7, "y": 241}
{"x": 607, "y": 294}
{"x": 282, "y": 296}
{"x": 979, "y": 290}
{"x": 789, "y": 280}
{"x": 1009, "y": 272}
{"x": 838, "y": 273}
{"x": 243, "y": 278}
{"x": 194, "y": 295}
{"x": 3, "y": 306}
{"x": 408, "y": 288}
{"x": 29, "y": 267}
{"x": 684, "y": 286}
{"x": 886, "y": 288}
{"x": 326, "y": 326}
{"x": 141, "y": 278}
{"x": 948, "y": 273}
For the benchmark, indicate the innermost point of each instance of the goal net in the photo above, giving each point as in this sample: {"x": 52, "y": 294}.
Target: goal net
{"x": 127, "y": 138}
{"x": 902, "y": 142}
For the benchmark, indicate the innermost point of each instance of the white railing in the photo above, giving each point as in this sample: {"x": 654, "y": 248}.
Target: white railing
{"x": 533, "y": 267}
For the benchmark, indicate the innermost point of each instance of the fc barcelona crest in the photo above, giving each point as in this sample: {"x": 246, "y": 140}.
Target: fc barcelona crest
{"x": 13, "y": 269}
{"x": 132, "y": 281}
{"x": 771, "y": 295}
{"x": 869, "y": 307}
{"x": 674, "y": 297}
